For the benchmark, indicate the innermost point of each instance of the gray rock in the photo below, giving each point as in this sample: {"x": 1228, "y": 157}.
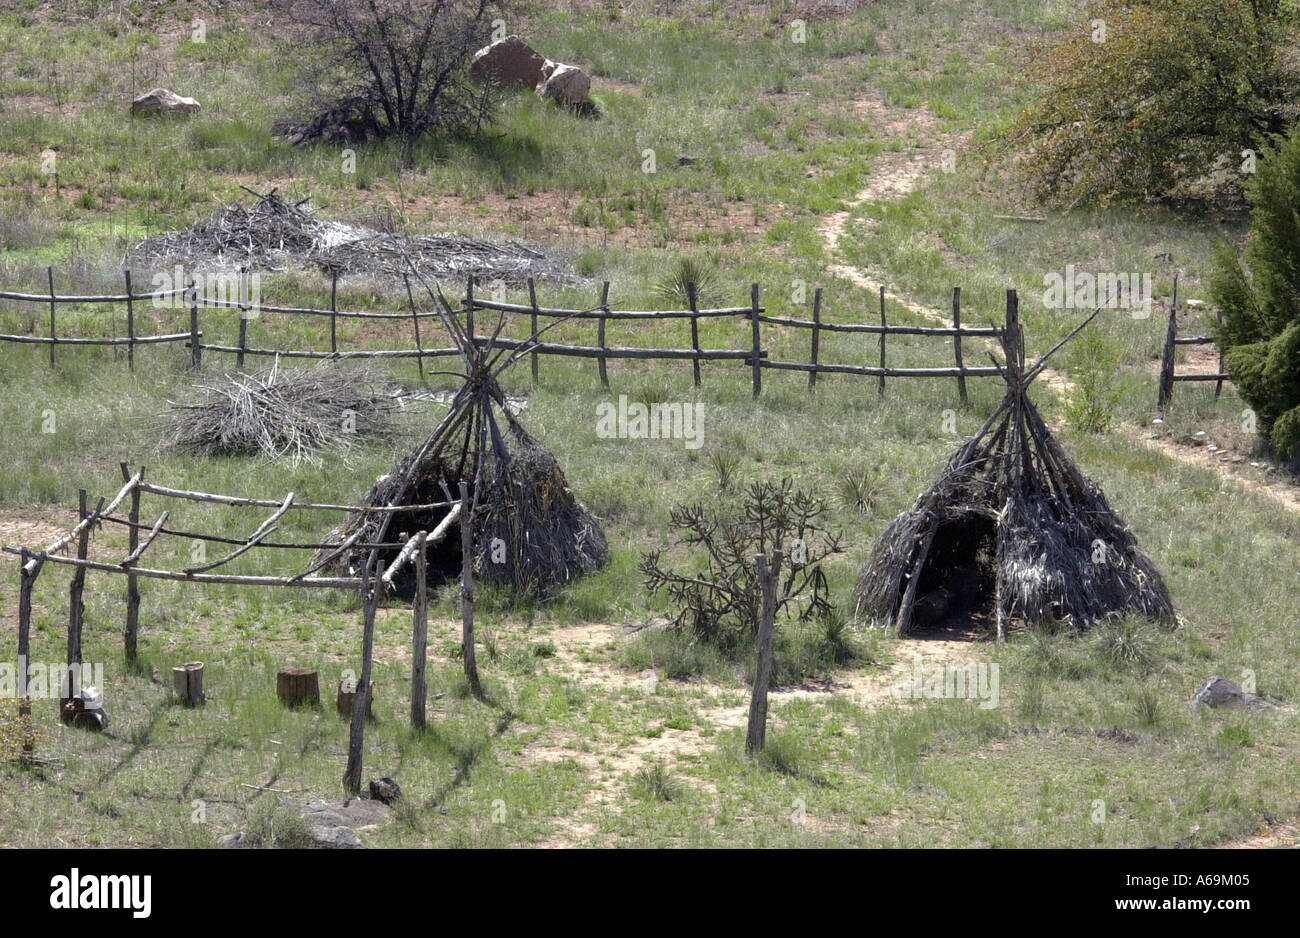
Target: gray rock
{"x": 355, "y": 813}
{"x": 385, "y": 790}
{"x": 335, "y": 838}
{"x": 1220, "y": 692}
{"x": 566, "y": 84}
{"x": 233, "y": 840}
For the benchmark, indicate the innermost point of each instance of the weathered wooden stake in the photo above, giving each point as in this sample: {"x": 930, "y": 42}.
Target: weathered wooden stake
{"x": 532, "y": 301}
{"x": 76, "y": 608}
{"x": 756, "y": 361}
{"x": 467, "y": 589}
{"x": 1166, "y": 390}
{"x": 469, "y": 309}
{"x": 130, "y": 325}
{"x": 196, "y": 350}
{"x": 695, "y": 330}
{"x": 420, "y": 632}
{"x": 816, "y": 334}
{"x": 956, "y": 342}
{"x": 132, "y": 583}
{"x": 883, "y": 326}
{"x": 27, "y": 582}
{"x": 372, "y": 590}
{"x": 415, "y": 319}
{"x": 600, "y": 332}
{"x": 767, "y": 577}
{"x": 49, "y": 271}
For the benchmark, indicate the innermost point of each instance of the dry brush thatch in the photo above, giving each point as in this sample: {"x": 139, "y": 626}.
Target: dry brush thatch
{"x": 1011, "y": 521}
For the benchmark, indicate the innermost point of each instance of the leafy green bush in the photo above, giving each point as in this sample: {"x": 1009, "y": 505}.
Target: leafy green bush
{"x": 1149, "y": 99}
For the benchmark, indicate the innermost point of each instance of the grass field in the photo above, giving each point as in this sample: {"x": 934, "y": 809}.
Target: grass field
{"x": 1092, "y": 743}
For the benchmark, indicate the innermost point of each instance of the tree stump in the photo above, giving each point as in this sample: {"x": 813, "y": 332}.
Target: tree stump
{"x": 298, "y": 686}
{"x": 348, "y": 693}
{"x": 187, "y": 683}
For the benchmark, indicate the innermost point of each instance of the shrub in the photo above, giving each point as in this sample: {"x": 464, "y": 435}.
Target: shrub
{"x": 1145, "y": 99}
{"x": 1259, "y": 293}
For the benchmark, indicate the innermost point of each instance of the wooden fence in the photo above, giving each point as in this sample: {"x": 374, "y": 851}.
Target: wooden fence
{"x": 1168, "y": 358}
{"x": 756, "y": 356}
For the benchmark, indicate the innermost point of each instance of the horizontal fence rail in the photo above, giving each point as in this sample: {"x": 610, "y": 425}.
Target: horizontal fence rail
{"x": 1168, "y": 358}
{"x": 756, "y": 356}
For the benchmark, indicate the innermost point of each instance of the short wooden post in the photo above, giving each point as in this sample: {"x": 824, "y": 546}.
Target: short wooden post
{"x": 956, "y": 343}
{"x": 334, "y": 309}
{"x": 532, "y": 301}
{"x": 130, "y": 325}
{"x": 132, "y": 585}
{"x": 26, "y": 583}
{"x": 756, "y": 361}
{"x": 371, "y": 591}
{"x": 816, "y": 335}
{"x": 243, "y": 321}
{"x": 49, "y": 271}
{"x": 298, "y": 686}
{"x": 346, "y": 698}
{"x": 695, "y": 331}
{"x": 767, "y": 577}
{"x": 883, "y": 326}
{"x": 196, "y": 350}
{"x": 420, "y": 631}
{"x": 187, "y": 683}
{"x": 467, "y": 589}
{"x": 600, "y": 332}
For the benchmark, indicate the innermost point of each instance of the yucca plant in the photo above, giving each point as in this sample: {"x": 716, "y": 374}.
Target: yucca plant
{"x": 674, "y": 288}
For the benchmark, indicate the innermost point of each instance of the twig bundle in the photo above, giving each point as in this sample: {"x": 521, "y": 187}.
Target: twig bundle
{"x": 293, "y": 413}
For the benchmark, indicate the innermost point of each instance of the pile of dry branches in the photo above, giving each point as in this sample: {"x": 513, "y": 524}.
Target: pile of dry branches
{"x": 292, "y": 413}
{"x": 273, "y": 234}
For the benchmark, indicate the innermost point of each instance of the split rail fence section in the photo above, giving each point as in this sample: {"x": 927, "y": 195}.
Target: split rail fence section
{"x": 1168, "y": 358}
{"x": 755, "y": 356}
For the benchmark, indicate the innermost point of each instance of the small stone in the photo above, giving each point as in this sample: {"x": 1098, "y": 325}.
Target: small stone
{"x": 1220, "y": 692}
{"x": 233, "y": 840}
{"x": 685, "y": 159}
{"x": 335, "y": 838}
{"x": 162, "y": 101}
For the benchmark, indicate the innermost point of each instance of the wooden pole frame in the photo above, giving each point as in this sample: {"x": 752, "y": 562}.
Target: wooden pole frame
{"x": 756, "y": 731}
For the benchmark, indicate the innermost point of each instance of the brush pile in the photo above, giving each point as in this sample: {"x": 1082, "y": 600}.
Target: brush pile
{"x": 276, "y": 234}
{"x": 291, "y": 413}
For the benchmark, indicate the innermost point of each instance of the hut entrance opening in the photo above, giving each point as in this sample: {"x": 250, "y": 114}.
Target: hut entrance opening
{"x": 958, "y": 582}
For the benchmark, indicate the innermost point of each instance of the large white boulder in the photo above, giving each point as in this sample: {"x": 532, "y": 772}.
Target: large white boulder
{"x": 162, "y": 101}
{"x": 566, "y": 84}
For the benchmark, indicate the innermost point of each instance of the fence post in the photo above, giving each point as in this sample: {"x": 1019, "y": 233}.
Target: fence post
{"x": 27, "y": 582}
{"x": 600, "y": 332}
{"x": 334, "y": 310}
{"x": 532, "y": 301}
{"x": 132, "y": 587}
{"x": 753, "y": 318}
{"x": 196, "y": 352}
{"x": 1166, "y": 391}
{"x": 695, "y": 330}
{"x": 1218, "y": 385}
{"x": 956, "y": 343}
{"x": 757, "y": 730}
{"x": 816, "y": 334}
{"x": 881, "y": 386}
{"x": 371, "y": 592}
{"x": 49, "y": 271}
{"x": 130, "y": 325}
{"x": 77, "y": 609}
{"x": 243, "y": 320}
{"x": 467, "y": 589}
{"x": 420, "y": 631}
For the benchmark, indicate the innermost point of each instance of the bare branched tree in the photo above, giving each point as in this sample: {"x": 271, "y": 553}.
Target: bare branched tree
{"x": 722, "y": 601}
{"x": 404, "y": 61}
